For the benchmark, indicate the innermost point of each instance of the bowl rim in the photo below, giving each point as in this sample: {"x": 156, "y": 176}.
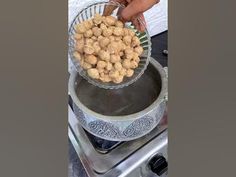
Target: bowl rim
{"x": 92, "y": 81}
{"x": 162, "y": 97}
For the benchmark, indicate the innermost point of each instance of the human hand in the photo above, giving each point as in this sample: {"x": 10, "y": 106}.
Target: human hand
{"x": 133, "y": 11}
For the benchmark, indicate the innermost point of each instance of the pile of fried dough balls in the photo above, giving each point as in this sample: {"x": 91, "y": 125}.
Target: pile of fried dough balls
{"x": 106, "y": 49}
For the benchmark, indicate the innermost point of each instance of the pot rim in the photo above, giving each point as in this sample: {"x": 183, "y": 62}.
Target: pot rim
{"x": 119, "y": 138}
{"x": 162, "y": 97}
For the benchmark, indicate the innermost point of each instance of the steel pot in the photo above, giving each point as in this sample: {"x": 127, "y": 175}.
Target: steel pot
{"x": 123, "y": 114}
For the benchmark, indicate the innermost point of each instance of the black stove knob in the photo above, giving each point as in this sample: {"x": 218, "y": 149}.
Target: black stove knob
{"x": 165, "y": 52}
{"x": 158, "y": 165}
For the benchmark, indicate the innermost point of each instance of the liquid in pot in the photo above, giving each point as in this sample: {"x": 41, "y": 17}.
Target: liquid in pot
{"x": 124, "y": 101}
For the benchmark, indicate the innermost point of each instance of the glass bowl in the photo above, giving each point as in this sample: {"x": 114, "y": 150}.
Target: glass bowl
{"x": 144, "y": 38}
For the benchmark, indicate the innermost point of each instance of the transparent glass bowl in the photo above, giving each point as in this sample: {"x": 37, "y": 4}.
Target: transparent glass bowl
{"x": 144, "y": 38}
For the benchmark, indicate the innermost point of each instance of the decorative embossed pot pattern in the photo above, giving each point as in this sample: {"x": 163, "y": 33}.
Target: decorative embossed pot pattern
{"x": 121, "y": 128}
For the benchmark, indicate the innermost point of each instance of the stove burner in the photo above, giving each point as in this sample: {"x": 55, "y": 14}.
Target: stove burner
{"x": 113, "y": 158}
{"x": 102, "y": 145}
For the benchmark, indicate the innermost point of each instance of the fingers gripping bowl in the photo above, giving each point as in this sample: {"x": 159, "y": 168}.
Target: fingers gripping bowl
{"x": 88, "y": 13}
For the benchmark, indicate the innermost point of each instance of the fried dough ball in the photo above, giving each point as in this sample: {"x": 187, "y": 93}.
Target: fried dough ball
{"x": 129, "y": 56}
{"x": 79, "y": 48}
{"x": 81, "y": 62}
{"x": 100, "y": 37}
{"x": 126, "y": 63}
{"x": 133, "y": 64}
{"x": 113, "y": 48}
{"x": 104, "y": 55}
{"x": 107, "y": 32}
{"x": 119, "y": 24}
{"x": 135, "y": 41}
{"x": 93, "y": 73}
{"x": 97, "y": 31}
{"x": 137, "y": 60}
{"x": 131, "y": 32}
{"x": 91, "y": 59}
{"x": 89, "y": 41}
{"x": 138, "y": 50}
{"x": 106, "y": 71}
{"x": 86, "y": 65}
{"x": 109, "y": 66}
{"x": 94, "y": 38}
{"x": 97, "y": 19}
{"x": 104, "y": 20}
{"x": 128, "y": 50}
{"x": 129, "y": 53}
{"x": 118, "y": 38}
{"x": 103, "y": 26}
{"x": 118, "y": 66}
{"x": 101, "y": 64}
{"x": 78, "y": 56}
{"x": 78, "y": 36}
{"x": 126, "y": 32}
{"x": 105, "y": 78}
{"x": 80, "y": 45}
{"x": 127, "y": 40}
{"x": 101, "y": 71}
{"x": 118, "y": 31}
{"x": 129, "y": 72}
{"x": 115, "y": 58}
{"x": 122, "y": 45}
{"x": 88, "y": 33}
{"x": 110, "y": 21}
{"x": 114, "y": 74}
{"x": 96, "y": 47}
{"x": 112, "y": 27}
{"x": 118, "y": 79}
{"x": 80, "y": 28}
{"x": 122, "y": 71}
{"x": 121, "y": 54}
{"x": 136, "y": 57}
{"x": 102, "y": 74}
{"x": 111, "y": 38}
{"x": 80, "y": 41}
{"x": 104, "y": 42}
{"x": 88, "y": 24}
{"x": 88, "y": 49}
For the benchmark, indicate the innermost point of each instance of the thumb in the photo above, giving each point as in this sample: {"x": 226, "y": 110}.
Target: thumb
{"x": 111, "y": 7}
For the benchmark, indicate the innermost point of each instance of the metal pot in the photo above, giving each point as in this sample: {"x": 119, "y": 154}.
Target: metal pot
{"x": 123, "y": 114}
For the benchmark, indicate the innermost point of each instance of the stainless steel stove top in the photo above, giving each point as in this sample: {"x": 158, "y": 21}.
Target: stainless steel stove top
{"x": 102, "y": 158}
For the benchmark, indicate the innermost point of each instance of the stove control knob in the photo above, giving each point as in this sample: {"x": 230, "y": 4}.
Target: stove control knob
{"x": 158, "y": 165}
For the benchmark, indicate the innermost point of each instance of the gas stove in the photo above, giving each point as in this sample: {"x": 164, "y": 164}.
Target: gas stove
{"x": 143, "y": 157}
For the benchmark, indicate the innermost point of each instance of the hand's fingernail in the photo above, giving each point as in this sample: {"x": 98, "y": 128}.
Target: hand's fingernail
{"x": 142, "y": 29}
{"x": 139, "y": 28}
{"x": 121, "y": 19}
